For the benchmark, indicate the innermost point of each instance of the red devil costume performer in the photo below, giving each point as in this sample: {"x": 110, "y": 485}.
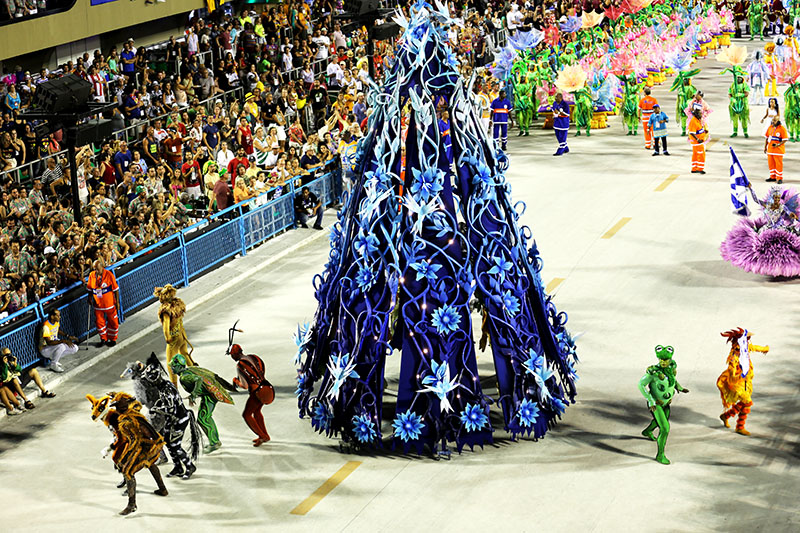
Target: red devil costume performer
{"x": 250, "y": 376}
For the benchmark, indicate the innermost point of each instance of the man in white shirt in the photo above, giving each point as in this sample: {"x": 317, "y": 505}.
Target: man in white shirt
{"x": 514, "y": 19}
{"x": 335, "y": 74}
{"x": 323, "y": 42}
{"x": 224, "y": 155}
{"x": 272, "y": 157}
{"x": 338, "y": 37}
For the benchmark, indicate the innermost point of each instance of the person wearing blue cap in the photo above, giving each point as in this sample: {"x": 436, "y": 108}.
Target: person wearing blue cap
{"x": 658, "y": 125}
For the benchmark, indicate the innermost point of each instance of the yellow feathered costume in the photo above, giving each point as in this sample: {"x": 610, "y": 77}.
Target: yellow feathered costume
{"x": 735, "y": 384}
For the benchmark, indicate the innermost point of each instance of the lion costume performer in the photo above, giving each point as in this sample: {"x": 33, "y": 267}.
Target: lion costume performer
{"x": 735, "y": 384}
{"x": 136, "y": 443}
{"x": 171, "y": 316}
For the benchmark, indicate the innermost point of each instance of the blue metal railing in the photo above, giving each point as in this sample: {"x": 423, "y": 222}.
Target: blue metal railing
{"x": 175, "y": 260}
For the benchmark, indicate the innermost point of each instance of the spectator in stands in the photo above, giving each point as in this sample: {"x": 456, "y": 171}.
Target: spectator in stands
{"x": 51, "y": 346}
{"x": 307, "y": 205}
{"x": 224, "y": 155}
{"x": 223, "y": 198}
{"x": 309, "y": 159}
{"x": 127, "y": 58}
{"x": 123, "y": 159}
{"x": 10, "y": 384}
{"x": 360, "y": 109}
{"x": 319, "y": 101}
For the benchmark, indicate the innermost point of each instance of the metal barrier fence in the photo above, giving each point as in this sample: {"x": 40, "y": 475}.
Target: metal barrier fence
{"x": 175, "y": 260}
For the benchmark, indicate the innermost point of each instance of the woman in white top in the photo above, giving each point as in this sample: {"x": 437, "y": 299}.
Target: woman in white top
{"x": 261, "y": 147}
{"x": 773, "y": 110}
{"x": 180, "y": 93}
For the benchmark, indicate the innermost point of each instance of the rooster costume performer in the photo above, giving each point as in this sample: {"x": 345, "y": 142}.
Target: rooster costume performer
{"x": 136, "y": 443}
{"x": 171, "y": 316}
{"x": 735, "y": 384}
{"x": 250, "y": 376}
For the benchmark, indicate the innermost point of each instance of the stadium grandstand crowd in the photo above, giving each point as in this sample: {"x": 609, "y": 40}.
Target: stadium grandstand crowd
{"x": 238, "y": 108}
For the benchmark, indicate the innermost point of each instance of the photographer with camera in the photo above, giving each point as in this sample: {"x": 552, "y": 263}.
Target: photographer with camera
{"x": 11, "y": 387}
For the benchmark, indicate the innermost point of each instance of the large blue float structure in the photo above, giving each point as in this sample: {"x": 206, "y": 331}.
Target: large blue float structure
{"x": 407, "y": 260}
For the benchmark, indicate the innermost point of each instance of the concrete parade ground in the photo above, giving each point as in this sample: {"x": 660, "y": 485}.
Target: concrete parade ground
{"x": 630, "y": 245}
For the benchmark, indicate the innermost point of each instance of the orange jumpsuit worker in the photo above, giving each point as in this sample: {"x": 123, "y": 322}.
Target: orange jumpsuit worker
{"x": 646, "y": 107}
{"x": 697, "y": 138}
{"x": 103, "y": 286}
{"x": 775, "y": 148}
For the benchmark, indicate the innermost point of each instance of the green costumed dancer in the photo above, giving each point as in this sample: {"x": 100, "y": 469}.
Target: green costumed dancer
{"x": 792, "y": 110}
{"x": 738, "y": 108}
{"x": 210, "y": 388}
{"x": 523, "y": 104}
{"x": 584, "y": 109}
{"x": 794, "y": 12}
{"x": 568, "y": 56}
{"x": 683, "y": 85}
{"x": 630, "y": 103}
{"x": 659, "y": 386}
{"x": 756, "y": 15}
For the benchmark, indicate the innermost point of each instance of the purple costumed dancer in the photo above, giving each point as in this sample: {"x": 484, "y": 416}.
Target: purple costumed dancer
{"x": 769, "y": 244}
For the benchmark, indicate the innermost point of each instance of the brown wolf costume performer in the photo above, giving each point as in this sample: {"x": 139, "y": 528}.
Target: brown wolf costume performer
{"x": 136, "y": 444}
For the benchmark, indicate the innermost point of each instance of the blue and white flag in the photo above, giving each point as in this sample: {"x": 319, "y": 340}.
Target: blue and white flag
{"x": 739, "y": 187}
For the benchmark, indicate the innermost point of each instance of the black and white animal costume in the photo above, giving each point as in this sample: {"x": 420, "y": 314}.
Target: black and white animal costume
{"x": 167, "y": 413}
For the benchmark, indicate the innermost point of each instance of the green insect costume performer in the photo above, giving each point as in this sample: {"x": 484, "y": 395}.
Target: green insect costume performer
{"x": 630, "y": 103}
{"x": 756, "y": 15}
{"x": 738, "y": 108}
{"x": 683, "y": 86}
{"x": 792, "y": 111}
{"x": 659, "y": 386}
{"x": 210, "y": 388}
{"x": 584, "y": 109}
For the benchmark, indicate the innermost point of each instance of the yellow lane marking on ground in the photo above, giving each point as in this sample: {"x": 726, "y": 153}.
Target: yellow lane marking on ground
{"x": 326, "y": 488}
{"x": 666, "y": 182}
{"x": 711, "y": 143}
{"x": 618, "y": 226}
{"x": 554, "y": 283}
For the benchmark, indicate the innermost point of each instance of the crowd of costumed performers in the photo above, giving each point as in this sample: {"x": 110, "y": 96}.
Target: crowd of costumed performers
{"x": 144, "y": 440}
{"x": 428, "y": 241}
{"x": 604, "y": 64}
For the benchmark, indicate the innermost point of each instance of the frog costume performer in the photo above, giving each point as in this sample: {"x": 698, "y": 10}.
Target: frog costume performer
{"x": 630, "y": 103}
{"x": 583, "y": 110}
{"x": 756, "y": 15}
{"x": 683, "y": 86}
{"x": 171, "y": 313}
{"x": 659, "y": 386}
{"x": 210, "y": 388}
